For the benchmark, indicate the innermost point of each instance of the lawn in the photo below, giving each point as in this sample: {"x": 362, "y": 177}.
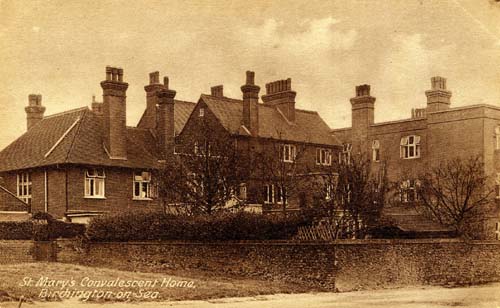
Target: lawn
{"x": 55, "y": 281}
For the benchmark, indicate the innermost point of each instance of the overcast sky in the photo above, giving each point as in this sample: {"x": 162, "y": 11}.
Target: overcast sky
{"x": 60, "y": 49}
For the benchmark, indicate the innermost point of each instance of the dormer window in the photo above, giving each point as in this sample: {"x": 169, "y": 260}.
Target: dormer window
{"x": 410, "y": 147}
{"x": 142, "y": 186}
{"x": 95, "y": 183}
{"x": 376, "y": 150}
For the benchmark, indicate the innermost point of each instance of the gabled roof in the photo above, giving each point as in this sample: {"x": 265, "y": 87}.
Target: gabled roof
{"x": 308, "y": 127}
{"x": 76, "y": 137}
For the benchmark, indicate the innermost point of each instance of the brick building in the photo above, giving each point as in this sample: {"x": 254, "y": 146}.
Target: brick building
{"x": 85, "y": 162}
{"x": 431, "y": 135}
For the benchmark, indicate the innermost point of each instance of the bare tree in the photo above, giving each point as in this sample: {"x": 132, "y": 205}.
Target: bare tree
{"x": 206, "y": 176}
{"x": 455, "y": 193}
{"x": 351, "y": 196}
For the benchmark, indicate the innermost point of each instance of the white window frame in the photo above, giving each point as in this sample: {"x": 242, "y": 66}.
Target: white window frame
{"x": 243, "y": 193}
{"x": 410, "y": 147}
{"x": 497, "y": 138}
{"x": 288, "y": 153}
{"x": 408, "y": 191}
{"x": 95, "y": 183}
{"x": 323, "y": 157}
{"x": 345, "y": 155}
{"x": 376, "y": 150}
{"x": 142, "y": 180}
{"x": 201, "y": 112}
{"x": 275, "y": 195}
{"x": 497, "y": 186}
{"x": 24, "y": 187}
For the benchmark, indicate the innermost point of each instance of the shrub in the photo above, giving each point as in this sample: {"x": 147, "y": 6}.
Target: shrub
{"x": 16, "y": 230}
{"x": 147, "y": 226}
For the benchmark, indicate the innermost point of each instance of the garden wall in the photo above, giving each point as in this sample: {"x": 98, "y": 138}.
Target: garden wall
{"x": 16, "y": 251}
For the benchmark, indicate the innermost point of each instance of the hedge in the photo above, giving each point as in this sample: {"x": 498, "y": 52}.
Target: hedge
{"x": 156, "y": 226}
{"x": 42, "y": 227}
{"x": 16, "y": 230}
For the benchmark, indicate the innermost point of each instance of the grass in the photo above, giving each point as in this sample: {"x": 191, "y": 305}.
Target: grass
{"x": 29, "y": 280}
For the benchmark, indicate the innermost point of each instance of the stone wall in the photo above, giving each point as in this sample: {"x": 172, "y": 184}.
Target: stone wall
{"x": 344, "y": 265}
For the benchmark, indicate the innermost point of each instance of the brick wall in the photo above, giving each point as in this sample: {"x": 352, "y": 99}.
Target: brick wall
{"x": 13, "y": 251}
{"x": 345, "y": 265}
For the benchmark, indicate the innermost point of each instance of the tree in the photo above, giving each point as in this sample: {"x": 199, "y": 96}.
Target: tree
{"x": 352, "y": 195}
{"x": 455, "y": 194}
{"x": 206, "y": 176}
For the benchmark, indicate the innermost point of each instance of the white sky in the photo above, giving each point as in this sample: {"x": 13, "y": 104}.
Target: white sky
{"x": 60, "y": 49}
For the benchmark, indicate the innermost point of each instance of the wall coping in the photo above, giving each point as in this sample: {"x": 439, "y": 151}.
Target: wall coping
{"x": 303, "y": 243}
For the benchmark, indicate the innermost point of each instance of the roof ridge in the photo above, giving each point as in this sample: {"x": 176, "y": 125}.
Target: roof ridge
{"x": 79, "y": 124}
{"x": 66, "y": 112}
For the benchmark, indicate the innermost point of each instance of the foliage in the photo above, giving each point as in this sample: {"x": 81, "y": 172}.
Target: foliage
{"x": 16, "y": 230}
{"x": 455, "y": 193}
{"x": 155, "y": 226}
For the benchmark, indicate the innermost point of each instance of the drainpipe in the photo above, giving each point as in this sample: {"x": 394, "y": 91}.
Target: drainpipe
{"x": 46, "y": 191}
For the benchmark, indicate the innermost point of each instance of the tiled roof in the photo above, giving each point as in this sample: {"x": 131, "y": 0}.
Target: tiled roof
{"x": 182, "y": 111}
{"x": 75, "y": 137}
{"x": 308, "y": 126}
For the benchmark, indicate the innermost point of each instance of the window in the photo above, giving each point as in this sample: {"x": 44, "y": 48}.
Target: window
{"x": 287, "y": 153}
{"x": 323, "y": 157}
{"x": 275, "y": 194}
{"x": 497, "y": 231}
{"x": 376, "y": 150}
{"x": 243, "y": 191}
{"x": 202, "y": 112}
{"x": 408, "y": 190}
{"x": 94, "y": 183}
{"x": 345, "y": 155}
{"x": 24, "y": 187}
{"x": 196, "y": 148}
{"x": 142, "y": 186}
{"x": 497, "y": 138}
{"x": 410, "y": 147}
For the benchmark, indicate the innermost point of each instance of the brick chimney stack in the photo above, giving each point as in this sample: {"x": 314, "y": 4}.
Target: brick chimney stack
{"x": 152, "y": 99}
{"x": 34, "y": 110}
{"x": 363, "y": 106}
{"x": 438, "y": 98}
{"x": 250, "y": 104}
{"x": 96, "y": 106}
{"x": 165, "y": 126}
{"x": 217, "y": 91}
{"x": 115, "y": 113}
{"x": 280, "y": 95}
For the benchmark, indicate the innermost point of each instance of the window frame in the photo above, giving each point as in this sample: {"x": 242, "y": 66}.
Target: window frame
{"x": 24, "y": 186}
{"x": 408, "y": 191}
{"x": 143, "y": 183}
{"x": 289, "y": 149}
{"x": 201, "y": 112}
{"x": 497, "y": 138}
{"x": 323, "y": 157}
{"x": 345, "y": 155}
{"x": 410, "y": 150}
{"x": 93, "y": 183}
{"x": 376, "y": 150}
{"x": 273, "y": 194}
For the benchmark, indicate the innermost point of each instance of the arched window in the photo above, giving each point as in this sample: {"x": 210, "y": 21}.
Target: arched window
{"x": 410, "y": 147}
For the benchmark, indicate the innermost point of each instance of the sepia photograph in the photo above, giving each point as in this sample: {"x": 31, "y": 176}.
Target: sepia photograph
{"x": 244, "y": 154}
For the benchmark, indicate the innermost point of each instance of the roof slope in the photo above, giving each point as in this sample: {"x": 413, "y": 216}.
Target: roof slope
{"x": 9, "y": 202}
{"x": 308, "y": 126}
{"x": 182, "y": 111}
{"x": 76, "y": 137}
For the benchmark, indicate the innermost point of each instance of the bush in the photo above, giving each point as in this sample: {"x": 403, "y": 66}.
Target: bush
{"x": 155, "y": 226}
{"x": 16, "y": 230}
{"x": 46, "y": 227}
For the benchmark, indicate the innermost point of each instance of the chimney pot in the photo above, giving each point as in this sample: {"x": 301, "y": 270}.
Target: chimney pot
{"x": 120, "y": 74}
{"x": 165, "y": 82}
{"x": 250, "y": 78}
{"x": 154, "y": 77}
{"x": 363, "y": 90}
{"x": 438, "y": 83}
{"x": 108, "y": 72}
